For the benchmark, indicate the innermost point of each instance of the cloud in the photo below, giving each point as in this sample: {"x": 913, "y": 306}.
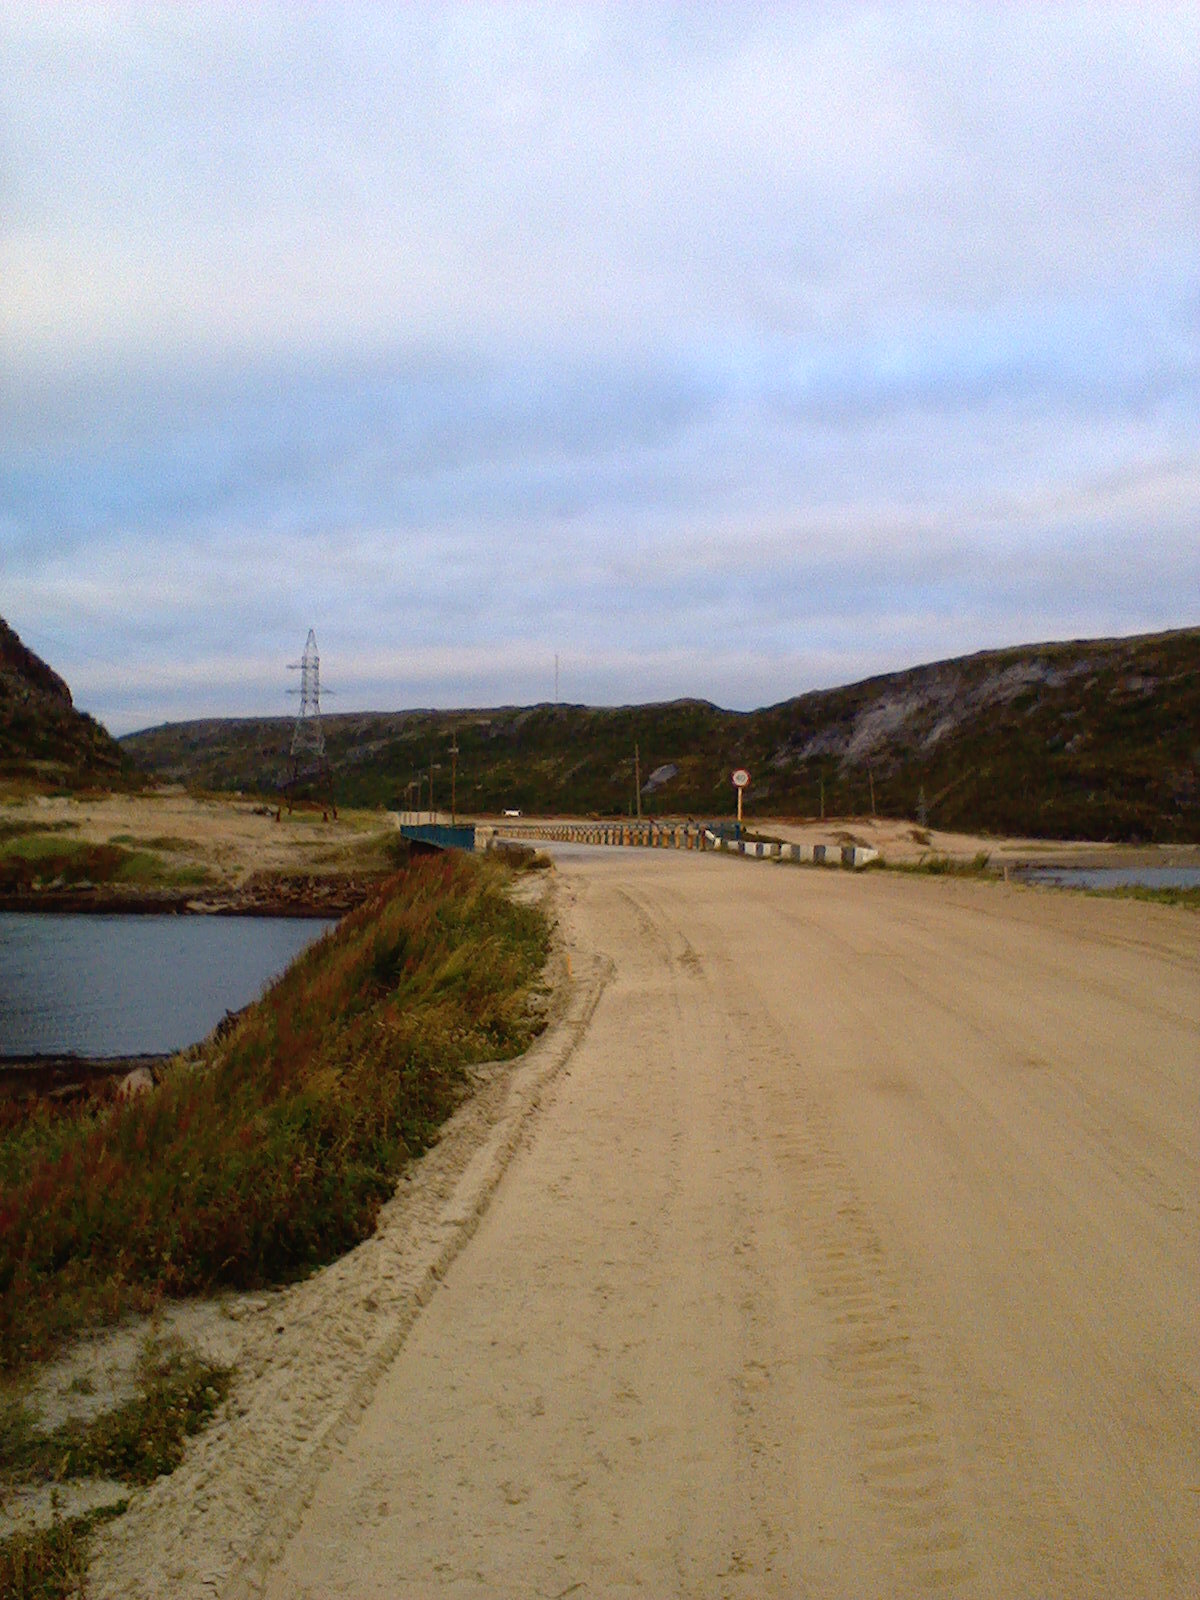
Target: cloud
{"x": 729, "y": 347}
{"x": 233, "y": 176}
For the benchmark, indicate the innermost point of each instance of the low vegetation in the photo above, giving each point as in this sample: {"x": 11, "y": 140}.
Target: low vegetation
{"x": 51, "y": 1563}
{"x": 274, "y": 1153}
{"x": 177, "y": 1393}
{"x": 33, "y": 860}
{"x": 138, "y": 1441}
{"x": 942, "y": 866}
{"x": 1186, "y": 897}
{"x": 141, "y": 850}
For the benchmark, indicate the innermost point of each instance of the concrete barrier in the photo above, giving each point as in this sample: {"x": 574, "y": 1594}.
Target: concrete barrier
{"x": 857, "y": 855}
{"x": 674, "y": 836}
{"x": 796, "y": 852}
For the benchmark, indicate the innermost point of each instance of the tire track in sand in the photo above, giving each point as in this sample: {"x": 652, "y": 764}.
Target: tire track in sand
{"x": 873, "y": 1343}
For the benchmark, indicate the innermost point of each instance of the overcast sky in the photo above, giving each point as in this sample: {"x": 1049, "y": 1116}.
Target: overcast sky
{"x": 720, "y": 350}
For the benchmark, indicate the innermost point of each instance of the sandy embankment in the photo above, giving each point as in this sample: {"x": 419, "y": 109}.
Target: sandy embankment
{"x": 215, "y": 854}
{"x": 854, "y": 1255}
{"x": 904, "y": 843}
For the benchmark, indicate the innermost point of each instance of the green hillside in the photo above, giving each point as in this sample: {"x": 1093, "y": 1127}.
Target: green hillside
{"x": 1096, "y": 739}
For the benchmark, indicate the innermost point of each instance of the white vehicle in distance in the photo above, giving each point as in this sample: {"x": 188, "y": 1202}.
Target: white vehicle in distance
{"x": 515, "y": 812}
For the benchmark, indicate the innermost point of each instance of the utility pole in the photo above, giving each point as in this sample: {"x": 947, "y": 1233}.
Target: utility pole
{"x": 871, "y": 781}
{"x": 637, "y": 780}
{"x": 454, "y": 780}
{"x": 822, "y": 799}
{"x": 431, "y": 793}
{"x": 556, "y": 678}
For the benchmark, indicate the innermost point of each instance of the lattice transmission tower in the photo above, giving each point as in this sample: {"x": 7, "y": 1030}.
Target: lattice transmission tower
{"x": 308, "y": 737}
{"x": 309, "y": 767}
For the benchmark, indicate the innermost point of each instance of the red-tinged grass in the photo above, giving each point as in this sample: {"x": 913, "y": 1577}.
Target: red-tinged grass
{"x": 275, "y": 1155}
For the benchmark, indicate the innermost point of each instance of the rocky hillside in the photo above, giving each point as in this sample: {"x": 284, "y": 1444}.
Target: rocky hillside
{"x": 1096, "y": 739}
{"x": 42, "y": 736}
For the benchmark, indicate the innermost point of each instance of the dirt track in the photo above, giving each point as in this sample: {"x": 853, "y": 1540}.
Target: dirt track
{"x": 851, "y": 1252}
{"x": 855, "y": 1255}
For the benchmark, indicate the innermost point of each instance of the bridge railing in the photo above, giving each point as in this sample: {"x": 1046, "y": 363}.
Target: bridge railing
{"x": 690, "y": 835}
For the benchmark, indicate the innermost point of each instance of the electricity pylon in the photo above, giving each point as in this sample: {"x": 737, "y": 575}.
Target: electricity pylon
{"x": 308, "y": 737}
{"x": 309, "y": 764}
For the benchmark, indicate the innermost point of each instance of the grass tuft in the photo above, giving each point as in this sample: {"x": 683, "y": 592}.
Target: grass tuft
{"x": 941, "y": 866}
{"x": 51, "y": 1563}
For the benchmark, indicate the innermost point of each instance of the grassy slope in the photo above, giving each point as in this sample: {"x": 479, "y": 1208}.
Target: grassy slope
{"x": 1094, "y": 739}
{"x": 277, "y": 1155}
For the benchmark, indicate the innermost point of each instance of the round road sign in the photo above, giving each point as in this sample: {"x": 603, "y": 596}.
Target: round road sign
{"x": 741, "y": 778}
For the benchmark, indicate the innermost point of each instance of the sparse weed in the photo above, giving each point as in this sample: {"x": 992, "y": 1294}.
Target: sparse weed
{"x": 1179, "y": 896}
{"x": 177, "y": 1393}
{"x": 15, "y": 828}
{"x": 943, "y": 866}
{"x": 51, "y": 1563}
{"x": 136, "y": 1442}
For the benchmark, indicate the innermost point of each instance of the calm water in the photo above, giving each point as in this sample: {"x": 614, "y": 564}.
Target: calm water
{"x": 131, "y": 985}
{"x": 1117, "y": 877}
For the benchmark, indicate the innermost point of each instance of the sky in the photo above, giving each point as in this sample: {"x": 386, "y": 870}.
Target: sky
{"x": 716, "y": 350}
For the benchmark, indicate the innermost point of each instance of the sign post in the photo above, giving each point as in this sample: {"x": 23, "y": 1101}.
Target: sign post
{"x": 740, "y": 779}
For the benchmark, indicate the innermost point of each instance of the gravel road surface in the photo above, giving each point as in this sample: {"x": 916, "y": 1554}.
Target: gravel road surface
{"x": 852, "y": 1251}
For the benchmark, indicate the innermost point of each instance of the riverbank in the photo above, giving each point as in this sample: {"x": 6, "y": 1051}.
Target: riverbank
{"x": 270, "y": 1147}
{"x": 66, "y": 1075}
{"x": 269, "y": 1151}
{"x": 269, "y": 896}
{"x": 906, "y": 843}
{"x": 187, "y": 854}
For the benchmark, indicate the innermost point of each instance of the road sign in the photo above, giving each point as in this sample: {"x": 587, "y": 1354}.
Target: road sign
{"x": 740, "y": 779}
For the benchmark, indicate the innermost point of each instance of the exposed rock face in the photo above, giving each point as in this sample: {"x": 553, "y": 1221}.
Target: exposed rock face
{"x": 16, "y": 660}
{"x": 41, "y": 733}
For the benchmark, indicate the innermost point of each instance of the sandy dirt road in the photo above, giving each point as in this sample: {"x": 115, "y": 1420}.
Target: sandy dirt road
{"x": 856, "y": 1253}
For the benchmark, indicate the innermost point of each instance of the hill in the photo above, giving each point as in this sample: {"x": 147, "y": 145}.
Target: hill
{"x": 1090, "y": 739}
{"x": 42, "y": 735}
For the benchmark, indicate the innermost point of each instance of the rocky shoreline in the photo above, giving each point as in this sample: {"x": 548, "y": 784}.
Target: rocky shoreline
{"x": 312, "y": 896}
{"x": 66, "y": 1076}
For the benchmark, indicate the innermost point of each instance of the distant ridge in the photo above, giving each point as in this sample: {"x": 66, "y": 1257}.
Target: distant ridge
{"x": 1091, "y": 739}
{"x": 42, "y": 736}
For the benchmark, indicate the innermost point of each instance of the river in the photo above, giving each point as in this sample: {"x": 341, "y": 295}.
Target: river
{"x": 1115, "y": 877}
{"x": 111, "y": 985}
